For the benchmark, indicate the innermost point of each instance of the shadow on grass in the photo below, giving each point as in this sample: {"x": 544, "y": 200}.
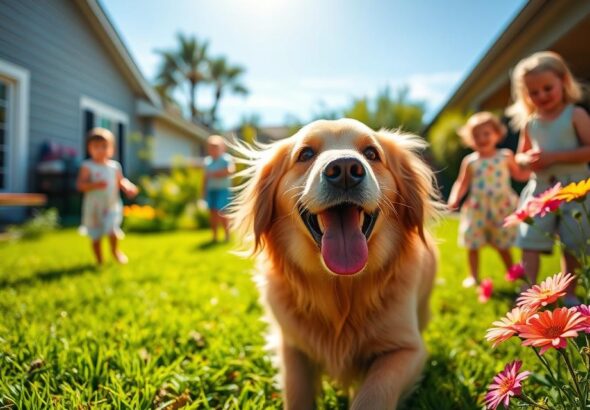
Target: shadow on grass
{"x": 48, "y": 276}
{"x": 210, "y": 245}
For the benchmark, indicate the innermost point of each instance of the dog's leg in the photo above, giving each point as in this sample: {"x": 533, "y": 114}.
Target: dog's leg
{"x": 390, "y": 376}
{"x": 300, "y": 379}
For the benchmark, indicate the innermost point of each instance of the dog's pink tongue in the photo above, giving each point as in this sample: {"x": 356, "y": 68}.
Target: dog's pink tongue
{"x": 344, "y": 246}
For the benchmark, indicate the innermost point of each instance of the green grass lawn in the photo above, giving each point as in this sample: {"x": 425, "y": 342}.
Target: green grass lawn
{"x": 181, "y": 325}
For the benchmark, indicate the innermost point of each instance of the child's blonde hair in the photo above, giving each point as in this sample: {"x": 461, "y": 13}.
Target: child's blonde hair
{"x": 523, "y": 107}
{"x": 216, "y": 140}
{"x": 100, "y": 134}
{"x": 477, "y": 120}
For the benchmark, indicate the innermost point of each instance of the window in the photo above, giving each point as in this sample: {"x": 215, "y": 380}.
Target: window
{"x": 97, "y": 114}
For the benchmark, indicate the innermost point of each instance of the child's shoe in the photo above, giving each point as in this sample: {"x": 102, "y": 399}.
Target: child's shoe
{"x": 469, "y": 282}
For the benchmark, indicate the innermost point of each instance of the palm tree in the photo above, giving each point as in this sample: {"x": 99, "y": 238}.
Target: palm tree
{"x": 224, "y": 76}
{"x": 182, "y": 67}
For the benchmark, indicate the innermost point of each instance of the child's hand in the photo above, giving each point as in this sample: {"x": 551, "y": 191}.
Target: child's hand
{"x": 130, "y": 190}
{"x": 523, "y": 159}
{"x": 539, "y": 159}
{"x": 453, "y": 205}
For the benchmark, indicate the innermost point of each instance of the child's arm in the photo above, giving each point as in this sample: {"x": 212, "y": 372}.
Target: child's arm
{"x": 461, "y": 184}
{"x": 516, "y": 171}
{"x": 522, "y": 158}
{"x": 83, "y": 183}
{"x": 581, "y": 121}
{"x": 129, "y": 188}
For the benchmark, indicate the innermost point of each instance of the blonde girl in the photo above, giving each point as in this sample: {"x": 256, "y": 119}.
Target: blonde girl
{"x": 486, "y": 174}
{"x": 555, "y": 145}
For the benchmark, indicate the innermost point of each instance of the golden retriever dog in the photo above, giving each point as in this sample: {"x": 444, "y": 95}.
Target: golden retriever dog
{"x": 336, "y": 213}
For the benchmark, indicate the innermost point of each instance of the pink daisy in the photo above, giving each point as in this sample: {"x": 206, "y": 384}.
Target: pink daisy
{"x": 505, "y": 328}
{"x": 546, "y": 292}
{"x": 549, "y": 329}
{"x": 518, "y": 216}
{"x": 545, "y": 202}
{"x": 505, "y": 385}
{"x": 584, "y": 311}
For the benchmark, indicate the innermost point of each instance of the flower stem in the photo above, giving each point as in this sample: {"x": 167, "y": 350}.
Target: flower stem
{"x": 555, "y": 383}
{"x": 528, "y": 400}
{"x": 573, "y": 374}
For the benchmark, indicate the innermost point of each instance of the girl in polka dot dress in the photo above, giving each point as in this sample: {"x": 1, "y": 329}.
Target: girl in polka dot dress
{"x": 486, "y": 174}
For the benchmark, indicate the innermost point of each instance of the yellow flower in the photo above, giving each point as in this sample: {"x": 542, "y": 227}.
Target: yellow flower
{"x": 574, "y": 191}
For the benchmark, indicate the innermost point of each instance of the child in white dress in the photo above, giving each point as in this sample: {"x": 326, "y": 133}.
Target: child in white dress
{"x": 100, "y": 179}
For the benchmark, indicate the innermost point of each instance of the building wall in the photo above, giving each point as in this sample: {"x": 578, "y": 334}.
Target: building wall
{"x": 66, "y": 61}
{"x": 170, "y": 143}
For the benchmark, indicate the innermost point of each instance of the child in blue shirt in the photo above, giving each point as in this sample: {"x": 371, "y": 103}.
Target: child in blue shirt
{"x": 218, "y": 168}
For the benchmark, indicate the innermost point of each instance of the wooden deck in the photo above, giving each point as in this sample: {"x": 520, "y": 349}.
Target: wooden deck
{"x": 22, "y": 199}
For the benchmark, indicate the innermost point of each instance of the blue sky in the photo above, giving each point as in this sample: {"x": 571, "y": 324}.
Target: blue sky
{"x": 302, "y": 55}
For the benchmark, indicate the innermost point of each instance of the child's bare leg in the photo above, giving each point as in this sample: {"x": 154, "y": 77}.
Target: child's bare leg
{"x": 569, "y": 264}
{"x": 530, "y": 263}
{"x": 473, "y": 259}
{"x": 118, "y": 255}
{"x": 96, "y": 248}
{"x": 214, "y": 223}
{"x": 225, "y": 223}
{"x": 506, "y": 257}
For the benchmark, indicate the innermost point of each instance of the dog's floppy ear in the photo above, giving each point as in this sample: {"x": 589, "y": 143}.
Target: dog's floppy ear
{"x": 252, "y": 211}
{"x": 416, "y": 189}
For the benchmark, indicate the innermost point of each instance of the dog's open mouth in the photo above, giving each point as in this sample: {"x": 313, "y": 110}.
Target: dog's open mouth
{"x": 342, "y": 232}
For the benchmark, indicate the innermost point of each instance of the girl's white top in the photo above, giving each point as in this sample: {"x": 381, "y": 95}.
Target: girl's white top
{"x": 102, "y": 209}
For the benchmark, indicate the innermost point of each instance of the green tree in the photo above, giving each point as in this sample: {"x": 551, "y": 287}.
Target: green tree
{"x": 183, "y": 68}
{"x": 446, "y": 146}
{"x": 224, "y": 76}
{"x": 387, "y": 111}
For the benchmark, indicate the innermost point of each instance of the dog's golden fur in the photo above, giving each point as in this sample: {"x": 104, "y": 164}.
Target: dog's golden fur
{"x": 363, "y": 330}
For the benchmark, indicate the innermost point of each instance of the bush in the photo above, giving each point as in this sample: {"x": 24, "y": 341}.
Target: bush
{"x": 171, "y": 201}
{"x": 41, "y": 223}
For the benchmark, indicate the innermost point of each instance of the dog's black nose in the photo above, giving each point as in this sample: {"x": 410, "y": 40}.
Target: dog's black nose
{"x": 345, "y": 173}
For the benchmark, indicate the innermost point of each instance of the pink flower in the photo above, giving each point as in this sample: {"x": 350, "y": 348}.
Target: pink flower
{"x": 545, "y": 202}
{"x": 584, "y": 311}
{"x": 485, "y": 290}
{"x": 518, "y": 216}
{"x": 505, "y": 328}
{"x": 515, "y": 272}
{"x": 539, "y": 205}
{"x": 505, "y": 385}
{"x": 546, "y": 292}
{"x": 549, "y": 329}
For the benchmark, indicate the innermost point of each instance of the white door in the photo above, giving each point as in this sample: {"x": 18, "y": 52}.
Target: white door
{"x": 5, "y": 147}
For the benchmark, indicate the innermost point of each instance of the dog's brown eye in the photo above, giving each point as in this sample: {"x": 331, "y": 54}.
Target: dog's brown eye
{"x": 371, "y": 154}
{"x": 305, "y": 155}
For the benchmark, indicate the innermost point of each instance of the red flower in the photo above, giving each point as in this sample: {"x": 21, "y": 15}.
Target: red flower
{"x": 485, "y": 290}
{"x": 549, "y": 329}
{"x": 505, "y": 385}
{"x": 515, "y": 272}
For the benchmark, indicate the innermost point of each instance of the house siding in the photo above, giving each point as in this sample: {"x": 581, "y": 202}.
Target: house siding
{"x": 66, "y": 61}
{"x": 171, "y": 144}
